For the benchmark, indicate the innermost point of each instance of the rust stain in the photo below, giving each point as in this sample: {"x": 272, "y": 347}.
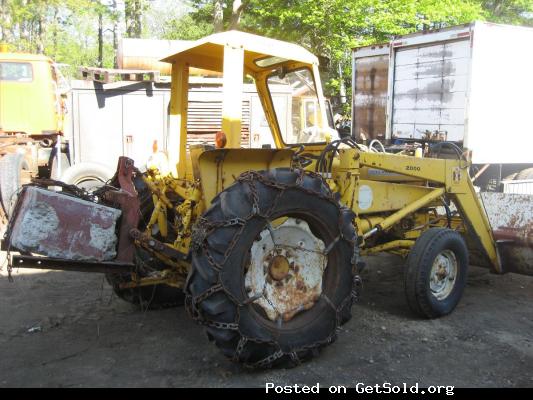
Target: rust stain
{"x": 60, "y": 226}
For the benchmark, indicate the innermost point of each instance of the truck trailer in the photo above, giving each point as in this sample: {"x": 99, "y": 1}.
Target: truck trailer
{"x": 471, "y": 85}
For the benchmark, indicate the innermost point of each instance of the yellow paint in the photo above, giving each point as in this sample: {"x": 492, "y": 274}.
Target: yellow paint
{"x": 393, "y": 245}
{"x": 387, "y": 192}
{"x": 219, "y": 168}
{"x": 33, "y": 105}
{"x": 177, "y": 140}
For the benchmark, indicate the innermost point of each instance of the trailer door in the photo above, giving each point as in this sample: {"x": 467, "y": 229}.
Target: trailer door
{"x": 430, "y": 86}
{"x": 369, "y": 92}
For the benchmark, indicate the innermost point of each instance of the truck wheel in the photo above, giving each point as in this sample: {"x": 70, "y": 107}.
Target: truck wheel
{"x": 510, "y": 177}
{"x": 88, "y": 176}
{"x": 273, "y": 268}
{"x": 11, "y": 166}
{"x": 525, "y": 174}
{"x": 436, "y": 271}
{"x": 147, "y": 297}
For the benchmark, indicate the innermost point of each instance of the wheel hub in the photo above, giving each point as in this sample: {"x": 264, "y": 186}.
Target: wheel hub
{"x": 278, "y": 268}
{"x": 443, "y": 273}
{"x": 286, "y": 268}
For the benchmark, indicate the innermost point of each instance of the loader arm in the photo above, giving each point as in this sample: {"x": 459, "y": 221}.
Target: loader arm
{"x": 448, "y": 177}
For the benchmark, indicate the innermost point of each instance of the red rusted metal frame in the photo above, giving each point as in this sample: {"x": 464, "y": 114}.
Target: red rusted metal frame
{"x": 515, "y": 235}
{"x": 129, "y": 203}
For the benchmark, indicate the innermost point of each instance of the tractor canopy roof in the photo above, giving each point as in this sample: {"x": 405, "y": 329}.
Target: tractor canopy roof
{"x": 260, "y": 53}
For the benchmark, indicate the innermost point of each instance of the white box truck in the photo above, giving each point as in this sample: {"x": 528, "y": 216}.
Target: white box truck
{"x": 470, "y": 84}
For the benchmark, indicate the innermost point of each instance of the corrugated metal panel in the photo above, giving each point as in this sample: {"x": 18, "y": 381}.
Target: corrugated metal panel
{"x": 204, "y": 120}
{"x": 430, "y": 85}
{"x": 370, "y": 96}
{"x": 523, "y": 186}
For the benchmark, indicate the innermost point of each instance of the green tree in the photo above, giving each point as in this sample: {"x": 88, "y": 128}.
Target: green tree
{"x": 134, "y": 10}
{"x": 186, "y": 28}
{"x": 223, "y": 14}
{"x": 516, "y": 12}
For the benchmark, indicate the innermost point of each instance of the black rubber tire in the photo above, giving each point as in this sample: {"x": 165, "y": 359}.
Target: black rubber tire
{"x": 525, "y": 174}
{"x": 510, "y": 177}
{"x": 147, "y": 297}
{"x": 417, "y": 274}
{"x": 235, "y": 325}
{"x": 152, "y": 297}
{"x": 87, "y": 175}
{"x": 11, "y": 166}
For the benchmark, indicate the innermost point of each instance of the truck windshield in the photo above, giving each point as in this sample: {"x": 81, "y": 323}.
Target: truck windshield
{"x": 299, "y": 117}
{"x": 16, "y": 71}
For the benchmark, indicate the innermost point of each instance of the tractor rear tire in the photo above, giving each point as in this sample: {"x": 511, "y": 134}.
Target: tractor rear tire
{"x": 436, "y": 272}
{"x": 240, "y": 217}
{"x": 153, "y": 297}
{"x": 525, "y": 174}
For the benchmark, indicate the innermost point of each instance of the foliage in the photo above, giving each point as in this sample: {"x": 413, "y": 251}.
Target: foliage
{"x": 516, "y": 12}
{"x": 186, "y": 28}
{"x": 67, "y": 30}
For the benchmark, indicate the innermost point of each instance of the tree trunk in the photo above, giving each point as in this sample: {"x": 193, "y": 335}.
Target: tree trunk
{"x": 100, "y": 39}
{"x": 41, "y": 26}
{"x": 238, "y": 8}
{"x": 54, "y": 36}
{"x": 4, "y": 22}
{"x": 115, "y": 34}
{"x": 24, "y": 34}
{"x": 133, "y": 13}
{"x": 218, "y": 16}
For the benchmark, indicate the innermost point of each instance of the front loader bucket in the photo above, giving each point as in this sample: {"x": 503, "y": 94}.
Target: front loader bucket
{"x": 511, "y": 219}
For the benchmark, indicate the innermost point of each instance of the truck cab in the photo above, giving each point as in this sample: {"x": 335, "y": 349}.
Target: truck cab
{"x": 30, "y": 102}
{"x": 31, "y": 120}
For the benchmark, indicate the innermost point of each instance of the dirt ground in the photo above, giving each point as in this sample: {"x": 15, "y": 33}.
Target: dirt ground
{"x": 64, "y": 329}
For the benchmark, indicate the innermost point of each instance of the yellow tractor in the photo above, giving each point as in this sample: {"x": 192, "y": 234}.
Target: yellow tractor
{"x": 265, "y": 246}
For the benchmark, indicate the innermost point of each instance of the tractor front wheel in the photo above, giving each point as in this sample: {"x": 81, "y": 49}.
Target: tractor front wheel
{"x": 273, "y": 269}
{"x": 436, "y": 270}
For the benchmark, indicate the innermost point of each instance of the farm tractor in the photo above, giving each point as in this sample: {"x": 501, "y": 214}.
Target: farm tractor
{"x": 264, "y": 247}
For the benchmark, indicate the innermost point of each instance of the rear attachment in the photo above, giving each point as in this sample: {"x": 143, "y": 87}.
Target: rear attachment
{"x": 61, "y": 230}
{"x": 511, "y": 218}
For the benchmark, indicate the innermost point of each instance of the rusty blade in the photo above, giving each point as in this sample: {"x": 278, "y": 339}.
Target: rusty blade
{"x": 56, "y": 225}
{"x": 511, "y": 219}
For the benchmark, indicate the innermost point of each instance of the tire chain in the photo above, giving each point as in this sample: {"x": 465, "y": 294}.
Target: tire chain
{"x": 203, "y": 228}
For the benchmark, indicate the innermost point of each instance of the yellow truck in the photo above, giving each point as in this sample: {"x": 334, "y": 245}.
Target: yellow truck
{"x": 31, "y": 119}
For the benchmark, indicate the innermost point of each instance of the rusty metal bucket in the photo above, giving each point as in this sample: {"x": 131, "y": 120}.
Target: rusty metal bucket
{"x": 511, "y": 219}
{"x": 54, "y": 230}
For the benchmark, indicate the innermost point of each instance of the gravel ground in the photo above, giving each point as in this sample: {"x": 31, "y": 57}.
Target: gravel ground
{"x": 65, "y": 329}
